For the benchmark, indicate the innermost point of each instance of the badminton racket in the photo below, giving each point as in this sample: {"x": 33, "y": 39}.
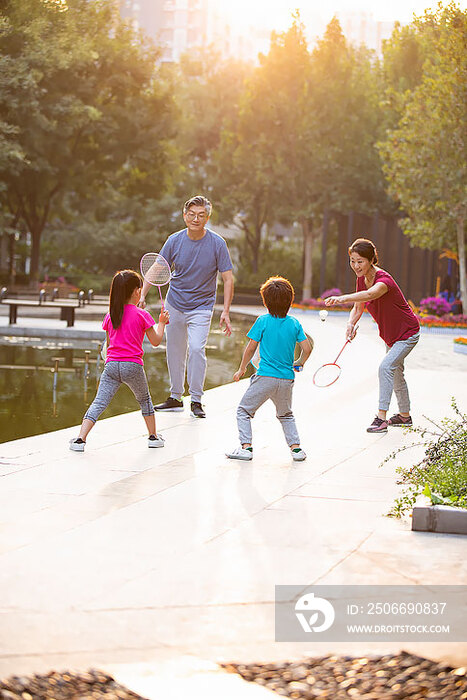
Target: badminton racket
{"x": 156, "y": 270}
{"x": 330, "y": 372}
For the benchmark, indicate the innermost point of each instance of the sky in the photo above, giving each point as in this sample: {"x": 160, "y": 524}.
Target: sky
{"x": 275, "y": 14}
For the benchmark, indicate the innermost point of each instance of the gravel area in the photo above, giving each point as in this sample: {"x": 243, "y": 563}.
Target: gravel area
{"x": 391, "y": 677}
{"x": 91, "y": 685}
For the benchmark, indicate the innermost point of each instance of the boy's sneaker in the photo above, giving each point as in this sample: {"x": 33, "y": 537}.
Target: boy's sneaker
{"x": 378, "y": 426}
{"x": 298, "y": 455}
{"x": 156, "y": 441}
{"x": 197, "y": 410}
{"x": 77, "y": 445}
{"x": 245, "y": 453}
{"x": 170, "y": 404}
{"x": 397, "y": 419}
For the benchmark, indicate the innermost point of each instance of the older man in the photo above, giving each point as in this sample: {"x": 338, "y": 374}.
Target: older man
{"x": 196, "y": 254}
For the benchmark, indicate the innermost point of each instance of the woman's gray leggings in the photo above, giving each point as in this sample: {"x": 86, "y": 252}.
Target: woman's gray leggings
{"x": 391, "y": 374}
{"x": 114, "y": 375}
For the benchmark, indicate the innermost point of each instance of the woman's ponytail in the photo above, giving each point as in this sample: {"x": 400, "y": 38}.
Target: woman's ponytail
{"x": 123, "y": 285}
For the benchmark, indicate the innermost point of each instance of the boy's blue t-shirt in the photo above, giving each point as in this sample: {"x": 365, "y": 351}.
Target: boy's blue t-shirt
{"x": 277, "y": 338}
{"x": 195, "y": 267}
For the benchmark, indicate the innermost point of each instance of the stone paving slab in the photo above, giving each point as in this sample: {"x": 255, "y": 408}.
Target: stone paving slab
{"x": 123, "y": 555}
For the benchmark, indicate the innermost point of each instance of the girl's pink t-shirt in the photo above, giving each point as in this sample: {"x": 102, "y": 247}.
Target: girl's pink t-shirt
{"x": 395, "y": 319}
{"x": 126, "y": 342}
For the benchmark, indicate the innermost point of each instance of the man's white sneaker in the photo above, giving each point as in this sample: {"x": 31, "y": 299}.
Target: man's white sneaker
{"x": 298, "y": 455}
{"x": 77, "y": 445}
{"x": 241, "y": 453}
{"x": 156, "y": 441}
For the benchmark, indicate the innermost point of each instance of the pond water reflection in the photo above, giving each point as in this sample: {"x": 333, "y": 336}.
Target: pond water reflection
{"x": 30, "y": 406}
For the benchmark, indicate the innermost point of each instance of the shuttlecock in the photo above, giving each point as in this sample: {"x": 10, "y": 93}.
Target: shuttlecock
{"x": 323, "y": 314}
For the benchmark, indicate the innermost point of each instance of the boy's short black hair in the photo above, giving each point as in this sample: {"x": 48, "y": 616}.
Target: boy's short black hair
{"x": 277, "y": 294}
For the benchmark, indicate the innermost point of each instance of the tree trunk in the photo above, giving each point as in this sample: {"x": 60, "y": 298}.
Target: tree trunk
{"x": 307, "y": 258}
{"x": 252, "y": 244}
{"x": 11, "y": 259}
{"x": 35, "y": 253}
{"x": 462, "y": 270}
{"x": 255, "y": 248}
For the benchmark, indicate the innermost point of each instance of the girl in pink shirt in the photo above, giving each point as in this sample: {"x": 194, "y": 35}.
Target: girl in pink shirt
{"x": 398, "y": 327}
{"x": 125, "y": 326}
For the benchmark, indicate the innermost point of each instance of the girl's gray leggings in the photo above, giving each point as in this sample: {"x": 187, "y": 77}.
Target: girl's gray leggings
{"x": 391, "y": 374}
{"x": 116, "y": 373}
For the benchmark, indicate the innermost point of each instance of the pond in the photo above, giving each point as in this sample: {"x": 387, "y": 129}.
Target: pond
{"x": 30, "y": 405}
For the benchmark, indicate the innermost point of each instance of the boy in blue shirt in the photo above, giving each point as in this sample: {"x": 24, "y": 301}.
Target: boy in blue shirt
{"x": 277, "y": 333}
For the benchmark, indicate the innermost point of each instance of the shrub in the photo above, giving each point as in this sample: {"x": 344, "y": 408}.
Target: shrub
{"x": 435, "y": 305}
{"x": 442, "y": 473}
{"x": 334, "y": 292}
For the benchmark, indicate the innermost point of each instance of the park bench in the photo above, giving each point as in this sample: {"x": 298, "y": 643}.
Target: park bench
{"x": 67, "y": 307}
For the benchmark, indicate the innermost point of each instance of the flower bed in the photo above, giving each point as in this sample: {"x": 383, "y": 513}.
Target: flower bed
{"x": 446, "y": 321}
{"x": 460, "y": 345}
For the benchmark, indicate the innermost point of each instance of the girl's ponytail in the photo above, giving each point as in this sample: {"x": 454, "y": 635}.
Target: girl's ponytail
{"x": 123, "y": 285}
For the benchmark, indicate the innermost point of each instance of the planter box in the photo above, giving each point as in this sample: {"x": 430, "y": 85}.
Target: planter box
{"x": 459, "y": 347}
{"x": 428, "y": 518}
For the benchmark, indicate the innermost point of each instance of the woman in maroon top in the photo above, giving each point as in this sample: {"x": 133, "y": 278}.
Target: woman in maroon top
{"x": 398, "y": 327}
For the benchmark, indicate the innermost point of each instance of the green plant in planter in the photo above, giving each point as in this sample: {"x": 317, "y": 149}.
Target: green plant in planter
{"x": 441, "y": 475}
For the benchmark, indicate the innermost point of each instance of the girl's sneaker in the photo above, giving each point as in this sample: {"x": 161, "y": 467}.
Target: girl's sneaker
{"x": 156, "y": 441}
{"x": 397, "y": 419}
{"x": 298, "y": 455}
{"x": 77, "y": 445}
{"x": 245, "y": 453}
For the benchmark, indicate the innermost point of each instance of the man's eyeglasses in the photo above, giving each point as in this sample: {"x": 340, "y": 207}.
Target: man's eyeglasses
{"x": 191, "y": 216}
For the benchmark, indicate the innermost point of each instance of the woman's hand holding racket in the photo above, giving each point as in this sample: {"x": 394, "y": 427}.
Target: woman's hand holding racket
{"x": 330, "y": 372}
{"x": 351, "y": 331}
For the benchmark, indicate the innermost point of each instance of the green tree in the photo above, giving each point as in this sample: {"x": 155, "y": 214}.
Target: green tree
{"x": 207, "y": 91}
{"x": 83, "y": 107}
{"x": 262, "y": 154}
{"x": 305, "y": 138}
{"x": 425, "y": 155}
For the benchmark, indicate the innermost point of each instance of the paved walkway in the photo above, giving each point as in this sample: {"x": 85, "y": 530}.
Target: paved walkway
{"x": 124, "y": 555}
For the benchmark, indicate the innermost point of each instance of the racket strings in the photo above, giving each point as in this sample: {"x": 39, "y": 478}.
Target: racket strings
{"x": 155, "y": 269}
{"x": 326, "y": 375}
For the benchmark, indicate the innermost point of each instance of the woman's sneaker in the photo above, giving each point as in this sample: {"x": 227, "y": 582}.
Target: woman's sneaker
{"x": 378, "y": 426}
{"x": 397, "y": 419}
{"x": 245, "y": 453}
{"x": 77, "y": 445}
{"x": 298, "y": 455}
{"x": 156, "y": 441}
